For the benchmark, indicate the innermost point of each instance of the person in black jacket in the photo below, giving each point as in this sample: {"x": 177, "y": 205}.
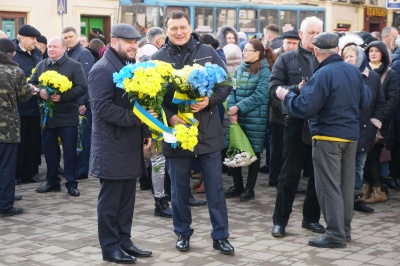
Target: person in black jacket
{"x": 184, "y": 48}
{"x": 118, "y": 141}
{"x": 288, "y": 71}
{"x": 76, "y": 51}
{"x": 65, "y": 120}
{"x": 27, "y": 57}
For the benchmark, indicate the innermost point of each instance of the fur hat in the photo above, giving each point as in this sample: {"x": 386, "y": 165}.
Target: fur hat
{"x": 7, "y": 45}
{"x": 221, "y": 36}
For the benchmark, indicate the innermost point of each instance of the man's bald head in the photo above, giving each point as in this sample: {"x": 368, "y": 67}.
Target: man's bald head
{"x": 3, "y": 35}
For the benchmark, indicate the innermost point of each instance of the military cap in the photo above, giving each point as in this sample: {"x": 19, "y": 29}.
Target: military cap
{"x": 41, "y": 39}
{"x": 28, "y": 30}
{"x": 291, "y": 34}
{"x": 326, "y": 40}
{"x": 124, "y": 31}
{"x": 7, "y": 45}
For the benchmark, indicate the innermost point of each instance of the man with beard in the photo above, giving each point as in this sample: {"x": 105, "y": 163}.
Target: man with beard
{"x": 118, "y": 140}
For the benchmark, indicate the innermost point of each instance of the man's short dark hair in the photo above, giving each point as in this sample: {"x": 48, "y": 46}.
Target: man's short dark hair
{"x": 176, "y": 14}
{"x": 68, "y": 29}
{"x": 273, "y": 28}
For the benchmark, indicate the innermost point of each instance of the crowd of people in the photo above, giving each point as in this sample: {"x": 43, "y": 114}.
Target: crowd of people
{"x": 320, "y": 104}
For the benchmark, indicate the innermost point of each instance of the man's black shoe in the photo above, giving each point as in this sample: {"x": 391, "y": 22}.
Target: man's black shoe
{"x": 197, "y": 202}
{"x": 233, "y": 192}
{"x": 278, "y": 231}
{"x": 264, "y": 169}
{"x": 301, "y": 190}
{"x": 137, "y": 252}
{"x": 247, "y": 195}
{"x": 119, "y": 257}
{"x": 223, "y": 246}
{"x": 60, "y": 170}
{"x": 74, "y": 192}
{"x": 13, "y": 211}
{"x": 82, "y": 176}
{"x": 314, "y": 227}
{"x": 359, "y": 205}
{"x": 17, "y": 197}
{"x": 47, "y": 188}
{"x": 325, "y": 242}
{"x": 182, "y": 244}
{"x": 36, "y": 179}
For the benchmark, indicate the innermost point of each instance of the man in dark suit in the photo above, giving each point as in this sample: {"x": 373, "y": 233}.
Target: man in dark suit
{"x": 65, "y": 120}
{"x": 118, "y": 140}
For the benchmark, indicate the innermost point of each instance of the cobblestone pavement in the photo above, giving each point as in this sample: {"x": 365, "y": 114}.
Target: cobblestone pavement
{"x": 57, "y": 229}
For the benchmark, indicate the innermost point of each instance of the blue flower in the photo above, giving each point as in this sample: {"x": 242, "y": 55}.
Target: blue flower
{"x": 127, "y": 72}
{"x": 204, "y": 80}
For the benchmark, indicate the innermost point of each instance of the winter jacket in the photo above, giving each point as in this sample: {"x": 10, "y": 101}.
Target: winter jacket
{"x": 287, "y": 72}
{"x": 222, "y": 33}
{"x": 13, "y": 89}
{"x": 117, "y": 134}
{"x": 85, "y": 57}
{"x": 390, "y": 87}
{"x": 211, "y": 136}
{"x": 251, "y": 96}
{"x": 332, "y": 99}
{"x": 66, "y": 112}
{"x": 27, "y": 62}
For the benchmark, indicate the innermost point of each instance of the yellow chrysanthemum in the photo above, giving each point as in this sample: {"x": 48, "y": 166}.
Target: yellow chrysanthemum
{"x": 186, "y": 136}
{"x": 56, "y": 81}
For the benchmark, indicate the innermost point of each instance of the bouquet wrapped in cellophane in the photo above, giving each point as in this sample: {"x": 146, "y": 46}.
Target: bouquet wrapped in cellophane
{"x": 240, "y": 152}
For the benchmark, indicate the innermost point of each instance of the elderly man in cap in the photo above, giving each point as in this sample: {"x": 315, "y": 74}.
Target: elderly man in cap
{"x": 13, "y": 89}
{"x": 41, "y": 44}
{"x": 118, "y": 140}
{"x": 27, "y": 57}
{"x": 335, "y": 85}
{"x": 290, "y": 42}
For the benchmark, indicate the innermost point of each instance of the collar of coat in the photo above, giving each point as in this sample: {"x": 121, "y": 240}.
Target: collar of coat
{"x": 328, "y": 60}
{"x": 191, "y": 45}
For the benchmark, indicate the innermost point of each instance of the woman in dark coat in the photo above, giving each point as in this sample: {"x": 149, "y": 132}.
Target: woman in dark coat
{"x": 379, "y": 61}
{"x": 248, "y": 105}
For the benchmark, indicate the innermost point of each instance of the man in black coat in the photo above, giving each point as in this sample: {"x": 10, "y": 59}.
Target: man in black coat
{"x": 27, "y": 57}
{"x": 65, "y": 120}
{"x": 288, "y": 71}
{"x": 184, "y": 48}
{"x": 117, "y": 148}
{"x": 76, "y": 51}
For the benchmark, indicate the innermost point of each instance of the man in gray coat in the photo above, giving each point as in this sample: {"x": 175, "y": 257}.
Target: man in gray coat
{"x": 118, "y": 140}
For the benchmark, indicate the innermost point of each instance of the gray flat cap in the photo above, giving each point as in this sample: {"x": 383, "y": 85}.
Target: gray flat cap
{"x": 124, "y": 31}
{"x": 326, "y": 40}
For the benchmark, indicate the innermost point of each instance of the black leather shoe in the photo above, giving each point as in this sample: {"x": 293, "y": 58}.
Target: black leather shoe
{"x": 314, "y": 227}
{"x": 137, "y": 252}
{"x": 325, "y": 242}
{"x": 223, "y": 246}
{"x": 264, "y": 169}
{"x": 82, "y": 176}
{"x": 197, "y": 202}
{"x": 17, "y": 197}
{"x": 359, "y": 205}
{"x": 47, "y": 188}
{"x": 182, "y": 244}
{"x": 278, "y": 231}
{"x": 36, "y": 179}
{"x": 74, "y": 192}
{"x": 119, "y": 257}
{"x": 247, "y": 195}
{"x": 233, "y": 192}
{"x": 300, "y": 190}
{"x": 13, "y": 211}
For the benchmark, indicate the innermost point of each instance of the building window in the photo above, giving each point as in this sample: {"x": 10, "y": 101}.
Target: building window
{"x": 374, "y": 2}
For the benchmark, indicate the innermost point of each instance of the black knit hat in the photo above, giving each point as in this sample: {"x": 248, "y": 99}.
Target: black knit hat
{"x": 7, "y": 45}
{"x": 41, "y": 39}
{"x": 28, "y": 30}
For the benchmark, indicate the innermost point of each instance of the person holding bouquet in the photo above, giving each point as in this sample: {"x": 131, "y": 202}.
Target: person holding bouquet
{"x": 118, "y": 141}
{"x": 247, "y": 105}
{"x": 63, "y": 118}
{"x": 182, "y": 47}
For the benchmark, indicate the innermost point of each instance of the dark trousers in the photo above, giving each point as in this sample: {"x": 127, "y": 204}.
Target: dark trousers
{"x": 8, "y": 162}
{"x": 276, "y": 147}
{"x": 294, "y": 152}
{"x": 83, "y": 157}
{"x": 69, "y": 138}
{"x": 372, "y": 174}
{"x": 179, "y": 170}
{"x": 28, "y": 158}
{"x": 115, "y": 208}
{"x": 251, "y": 175}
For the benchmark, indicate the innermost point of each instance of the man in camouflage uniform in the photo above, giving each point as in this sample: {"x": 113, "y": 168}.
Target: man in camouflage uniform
{"x": 13, "y": 89}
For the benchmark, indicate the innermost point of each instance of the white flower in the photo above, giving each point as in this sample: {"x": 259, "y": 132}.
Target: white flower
{"x": 239, "y": 160}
